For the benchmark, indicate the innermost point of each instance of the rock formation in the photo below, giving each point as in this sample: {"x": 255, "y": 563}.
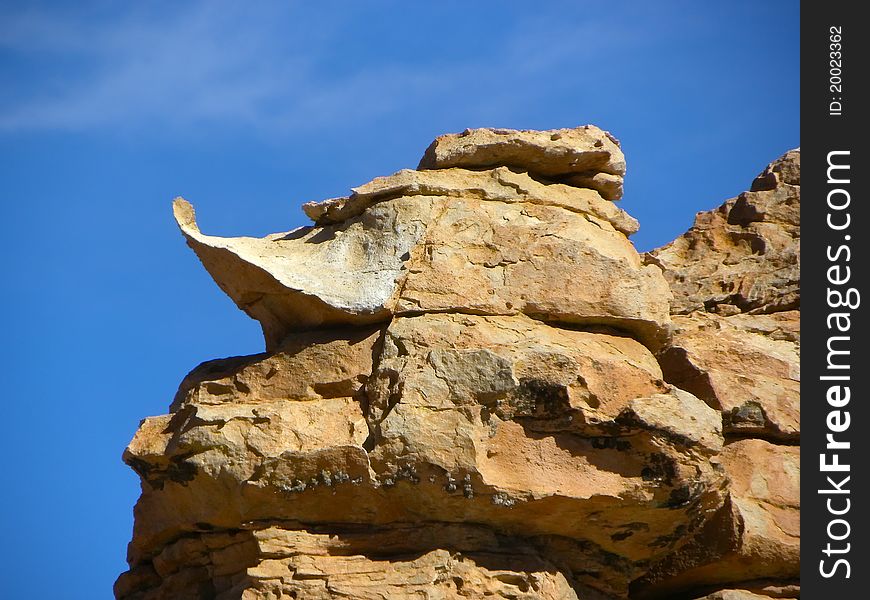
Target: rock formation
{"x": 736, "y": 345}
{"x": 473, "y": 386}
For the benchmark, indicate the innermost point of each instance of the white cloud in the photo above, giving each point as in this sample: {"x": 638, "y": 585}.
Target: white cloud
{"x": 255, "y": 66}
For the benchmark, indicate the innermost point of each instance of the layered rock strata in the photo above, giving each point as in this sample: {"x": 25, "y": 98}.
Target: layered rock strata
{"x": 490, "y": 242}
{"x": 736, "y": 345}
{"x": 586, "y": 156}
{"x": 470, "y": 389}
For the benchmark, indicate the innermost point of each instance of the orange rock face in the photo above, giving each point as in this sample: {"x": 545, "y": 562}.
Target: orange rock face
{"x": 736, "y": 344}
{"x": 473, "y": 387}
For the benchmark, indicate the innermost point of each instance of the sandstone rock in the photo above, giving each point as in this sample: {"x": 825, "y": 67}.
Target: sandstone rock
{"x": 524, "y": 412}
{"x": 416, "y": 254}
{"x": 740, "y": 352}
{"x": 786, "y": 169}
{"x": 755, "y": 537}
{"x": 313, "y": 277}
{"x": 546, "y": 262}
{"x": 527, "y": 430}
{"x": 294, "y": 418}
{"x": 735, "y": 343}
{"x": 472, "y": 388}
{"x": 747, "y": 366}
{"x": 311, "y": 365}
{"x": 558, "y": 152}
{"x": 733, "y": 595}
{"x": 310, "y": 562}
{"x": 745, "y": 255}
{"x": 499, "y": 185}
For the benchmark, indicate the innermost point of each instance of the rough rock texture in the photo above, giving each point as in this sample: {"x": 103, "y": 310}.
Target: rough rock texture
{"x": 490, "y": 243}
{"x": 745, "y": 255}
{"x": 472, "y": 388}
{"x": 499, "y": 185}
{"x": 756, "y": 536}
{"x": 736, "y": 324}
{"x": 736, "y": 345}
{"x": 586, "y": 156}
{"x": 747, "y": 366}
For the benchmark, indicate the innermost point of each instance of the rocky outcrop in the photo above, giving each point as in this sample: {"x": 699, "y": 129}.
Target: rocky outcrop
{"x": 765, "y": 593}
{"x": 743, "y": 257}
{"x": 498, "y": 185}
{"x": 489, "y": 243}
{"x": 736, "y": 345}
{"x": 472, "y": 387}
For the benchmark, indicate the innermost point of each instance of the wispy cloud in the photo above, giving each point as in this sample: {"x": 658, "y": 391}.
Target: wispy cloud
{"x": 179, "y": 67}
{"x": 267, "y": 66}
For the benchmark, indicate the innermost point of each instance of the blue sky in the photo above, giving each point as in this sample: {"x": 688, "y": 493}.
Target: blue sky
{"x": 110, "y": 109}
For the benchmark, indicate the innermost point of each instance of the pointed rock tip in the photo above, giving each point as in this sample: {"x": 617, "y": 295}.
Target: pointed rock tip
{"x": 184, "y": 215}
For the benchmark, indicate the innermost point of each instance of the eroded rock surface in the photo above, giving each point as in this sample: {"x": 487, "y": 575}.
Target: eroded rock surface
{"x": 745, "y": 255}
{"x": 531, "y": 431}
{"x": 767, "y": 593}
{"x": 755, "y": 537}
{"x": 736, "y": 307}
{"x": 586, "y": 156}
{"x": 491, "y": 242}
{"x": 472, "y": 388}
{"x": 498, "y": 185}
{"x": 735, "y": 344}
{"x": 745, "y": 365}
